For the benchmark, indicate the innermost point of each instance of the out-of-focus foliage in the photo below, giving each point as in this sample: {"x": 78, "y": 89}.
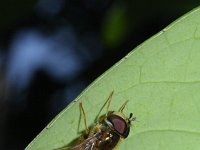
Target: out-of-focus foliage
{"x": 115, "y": 26}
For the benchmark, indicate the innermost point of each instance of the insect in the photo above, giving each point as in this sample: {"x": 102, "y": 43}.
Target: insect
{"x": 107, "y": 132}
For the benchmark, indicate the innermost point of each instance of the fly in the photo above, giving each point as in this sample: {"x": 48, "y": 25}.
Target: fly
{"x": 107, "y": 132}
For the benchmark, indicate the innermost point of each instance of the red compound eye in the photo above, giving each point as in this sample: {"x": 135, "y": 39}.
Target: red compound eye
{"x": 119, "y": 125}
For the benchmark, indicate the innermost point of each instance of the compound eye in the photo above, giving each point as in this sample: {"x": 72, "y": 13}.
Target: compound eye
{"x": 119, "y": 125}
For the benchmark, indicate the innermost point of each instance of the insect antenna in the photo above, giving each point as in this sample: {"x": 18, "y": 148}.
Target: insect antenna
{"x": 84, "y": 117}
{"x": 131, "y": 118}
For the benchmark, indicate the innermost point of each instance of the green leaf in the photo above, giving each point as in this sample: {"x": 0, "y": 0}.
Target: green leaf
{"x": 161, "y": 80}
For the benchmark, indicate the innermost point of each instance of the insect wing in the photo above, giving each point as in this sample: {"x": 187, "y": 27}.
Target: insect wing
{"x": 76, "y": 147}
{"x": 87, "y": 144}
{"x": 82, "y": 146}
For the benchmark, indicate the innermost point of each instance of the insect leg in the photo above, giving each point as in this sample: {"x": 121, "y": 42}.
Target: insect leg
{"x": 123, "y": 106}
{"x": 109, "y": 101}
{"x": 84, "y": 117}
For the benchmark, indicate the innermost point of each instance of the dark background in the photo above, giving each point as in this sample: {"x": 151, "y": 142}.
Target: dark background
{"x": 50, "y": 50}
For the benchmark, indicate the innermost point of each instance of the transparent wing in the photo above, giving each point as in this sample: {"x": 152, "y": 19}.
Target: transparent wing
{"x": 87, "y": 144}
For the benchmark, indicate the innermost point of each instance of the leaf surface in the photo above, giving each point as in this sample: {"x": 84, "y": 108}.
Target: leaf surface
{"x": 161, "y": 80}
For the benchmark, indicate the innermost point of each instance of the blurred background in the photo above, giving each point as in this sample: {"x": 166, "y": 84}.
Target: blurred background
{"x": 50, "y": 50}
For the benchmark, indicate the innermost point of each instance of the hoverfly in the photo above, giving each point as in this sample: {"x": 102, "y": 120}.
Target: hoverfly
{"x": 107, "y": 132}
